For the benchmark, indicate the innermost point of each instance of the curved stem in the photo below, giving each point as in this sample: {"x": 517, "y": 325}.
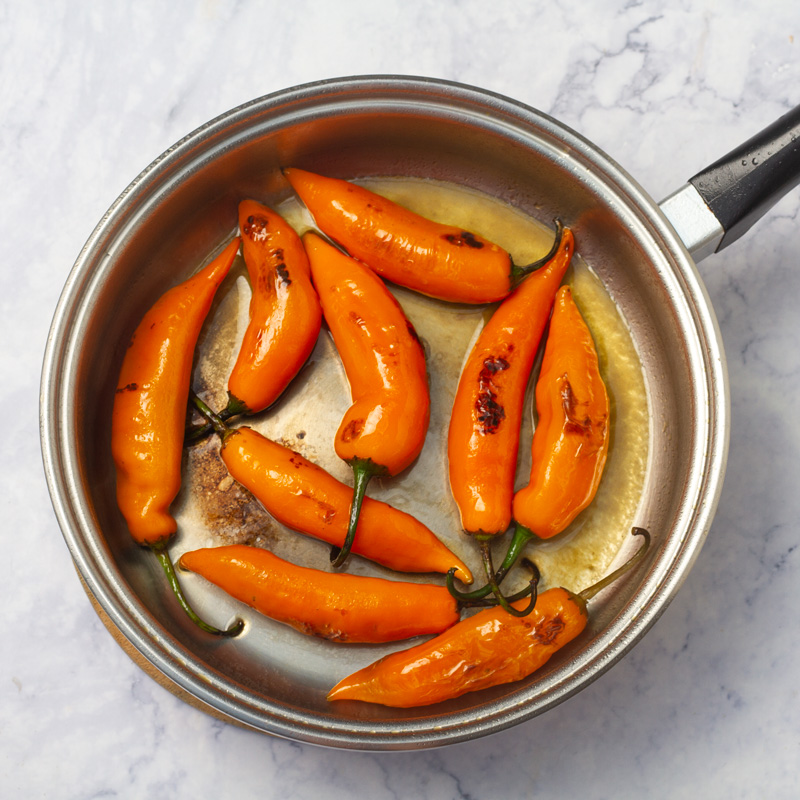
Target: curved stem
{"x": 591, "y": 591}
{"x": 518, "y": 273}
{"x": 363, "y": 471}
{"x": 196, "y": 433}
{"x": 215, "y": 421}
{"x": 467, "y": 598}
{"x": 162, "y": 554}
{"x": 522, "y": 536}
{"x": 531, "y": 589}
{"x": 486, "y": 555}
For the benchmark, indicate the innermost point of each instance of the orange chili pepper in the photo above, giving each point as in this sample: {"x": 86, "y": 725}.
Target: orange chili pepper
{"x": 487, "y": 649}
{"x": 306, "y": 498}
{"x": 570, "y": 443}
{"x": 483, "y": 438}
{"x": 149, "y": 412}
{"x": 384, "y": 430}
{"x": 438, "y": 260}
{"x": 487, "y": 411}
{"x": 285, "y": 315}
{"x": 333, "y": 606}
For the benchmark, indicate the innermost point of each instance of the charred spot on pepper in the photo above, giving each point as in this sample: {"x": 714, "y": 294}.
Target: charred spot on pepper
{"x": 255, "y": 228}
{"x": 463, "y": 239}
{"x": 327, "y": 512}
{"x": 356, "y": 319}
{"x": 131, "y": 387}
{"x": 490, "y": 412}
{"x": 575, "y": 424}
{"x": 549, "y": 630}
{"x": 352, "y": 430}
{"x": 280, "y": 266}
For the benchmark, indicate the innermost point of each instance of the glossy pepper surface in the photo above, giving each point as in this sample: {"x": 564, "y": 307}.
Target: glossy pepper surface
{"x": 570, "y": 443}
{"x": 487, "y": 649}
{"x": 150, "y": 402}
{"x": 483, "y": 437}
{"x": 442, "y": 261}
{"x": 306, "y": 498}
{"x": 334, "y": 606}
{"x": 384, "y": 429}
{"x": 285, "y": 314}
{"x": 382, "y": 357}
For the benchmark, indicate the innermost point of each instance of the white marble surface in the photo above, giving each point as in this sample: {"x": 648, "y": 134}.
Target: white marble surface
{"x": 707, "y": 704}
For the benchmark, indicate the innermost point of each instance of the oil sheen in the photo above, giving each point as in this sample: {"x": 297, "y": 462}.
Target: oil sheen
{"x": 308, "y": 414}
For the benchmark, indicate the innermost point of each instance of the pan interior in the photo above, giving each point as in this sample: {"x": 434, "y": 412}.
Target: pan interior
{"x": 176, "y": 215}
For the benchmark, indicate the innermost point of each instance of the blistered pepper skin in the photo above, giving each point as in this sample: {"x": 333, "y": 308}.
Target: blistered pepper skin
{"x": 570, "y": 443}
{"x": 306, "y": 498}
{"x": 285, "y": 314}
{"x": 483, "y": 436}
{"x": 488, "y": 649}
{"x": 149, "y": 413}
{"x": 333, "y": 606}
{"x": 438, "y": 260}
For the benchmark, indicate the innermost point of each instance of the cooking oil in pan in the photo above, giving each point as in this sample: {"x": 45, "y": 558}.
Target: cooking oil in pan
{"x": 217, "y": 511}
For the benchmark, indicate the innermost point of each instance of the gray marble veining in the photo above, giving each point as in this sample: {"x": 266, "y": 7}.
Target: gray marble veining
{"x": 706, "y": 705}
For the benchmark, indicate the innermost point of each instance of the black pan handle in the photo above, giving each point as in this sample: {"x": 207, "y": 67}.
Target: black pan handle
{"x": 743, "y": 185}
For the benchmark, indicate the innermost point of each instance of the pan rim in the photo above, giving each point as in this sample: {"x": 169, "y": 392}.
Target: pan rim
{"x": 57, "y": 408}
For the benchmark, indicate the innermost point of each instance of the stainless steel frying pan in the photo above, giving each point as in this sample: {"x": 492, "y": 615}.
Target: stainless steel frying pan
{"x": 184, "y": 204}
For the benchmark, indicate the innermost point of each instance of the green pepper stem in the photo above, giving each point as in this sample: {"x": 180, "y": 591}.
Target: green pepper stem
{"x": 522, "y": 536}
{"x": 504, "y": 602}
{"x": 465, "y": 597}
{"x": 216, "y": 422}
{"x": 235, "y": 407}
{"x": 591, "y": 591}
{"x": 519, "y": 273}
{"x": 531, "y": 589}
{"x": 364, "y": 469}
{"x": 162, "y": 554}
{"x": 196, "y": 433}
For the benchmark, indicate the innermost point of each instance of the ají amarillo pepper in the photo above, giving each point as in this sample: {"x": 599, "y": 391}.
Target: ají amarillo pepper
{"x": 487, "y": 649}
{"x": 149, "y": 413}
{"x": 570, "y": 443}
{"x": 285, "y": 314}
{"x": 334, "y": 606}
{"x": 439, "y": 260}
{"x": 306, "y": 498}
{"x": 483, "y": 437}
{"x": 384, "y": 429}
